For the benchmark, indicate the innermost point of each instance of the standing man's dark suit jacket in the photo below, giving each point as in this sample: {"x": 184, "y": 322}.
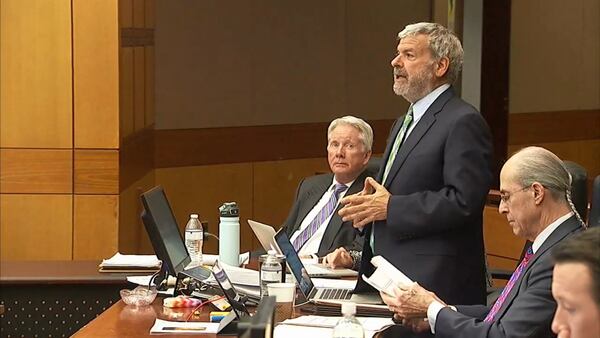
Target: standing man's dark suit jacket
{"x": 529, "y": 307}
{"x": 439, "y": 182}
{"x": 338, "y": 233}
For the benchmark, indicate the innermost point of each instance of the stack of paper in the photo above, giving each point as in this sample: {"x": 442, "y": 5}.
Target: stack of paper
{"x": 319, "y": 326}
{"x": 130, "y": 263}
{"x": 246, "y": 281}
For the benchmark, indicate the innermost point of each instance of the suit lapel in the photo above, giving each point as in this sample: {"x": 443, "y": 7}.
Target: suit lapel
{"x": 335, "y": 223}
{"x": 563, "y": 230}
{"x": 417, "y": 133}
{"x": 312, "y": 197}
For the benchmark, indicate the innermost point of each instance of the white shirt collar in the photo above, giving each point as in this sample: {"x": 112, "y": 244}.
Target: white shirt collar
{"x": 421, "y": 106}
{"x": 543, "y": 236}
{"x": 348, "y": 185}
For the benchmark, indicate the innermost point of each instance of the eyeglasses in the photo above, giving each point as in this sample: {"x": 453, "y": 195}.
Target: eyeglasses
{"x": 505, "y": 195}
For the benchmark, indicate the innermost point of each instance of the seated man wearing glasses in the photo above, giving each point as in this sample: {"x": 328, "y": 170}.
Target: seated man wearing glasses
{"x": 536, "y": 200}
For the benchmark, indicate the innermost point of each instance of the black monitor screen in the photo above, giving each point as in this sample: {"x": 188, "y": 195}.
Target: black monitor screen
{"x": 163, "y": 231}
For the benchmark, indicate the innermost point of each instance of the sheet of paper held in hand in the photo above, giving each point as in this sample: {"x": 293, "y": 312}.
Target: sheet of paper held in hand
{"x": 164, "y": 326}
{"x": 386, "y": 277}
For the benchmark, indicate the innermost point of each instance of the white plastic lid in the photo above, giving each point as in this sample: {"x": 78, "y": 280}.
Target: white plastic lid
{"x": 348, "y": 308}
{"x": 194, "y": 216}
{"x": 272, "y": 253}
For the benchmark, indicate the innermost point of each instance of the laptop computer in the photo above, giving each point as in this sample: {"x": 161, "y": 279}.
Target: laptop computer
{"x": 233, "y": 297}
{"x": 306, "y": 285}
{"x": 266, "y": 236}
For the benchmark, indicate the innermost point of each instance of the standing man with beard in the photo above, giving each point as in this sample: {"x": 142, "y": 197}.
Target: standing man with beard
{"x": 424, "y": 210}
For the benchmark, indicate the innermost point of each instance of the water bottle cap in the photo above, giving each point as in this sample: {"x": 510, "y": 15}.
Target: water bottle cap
{"x": 348, "y": 308}
{"x": 194, "y": 216}
{"x": 229, "y": 209}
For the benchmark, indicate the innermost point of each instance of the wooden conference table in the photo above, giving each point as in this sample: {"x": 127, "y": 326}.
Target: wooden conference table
{"x": 121, "y": 320}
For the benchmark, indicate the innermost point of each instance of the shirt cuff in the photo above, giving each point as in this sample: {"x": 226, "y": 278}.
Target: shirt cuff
{"x": 432, "y": 312}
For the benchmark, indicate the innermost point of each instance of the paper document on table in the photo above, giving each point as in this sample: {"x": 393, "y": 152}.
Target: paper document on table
{"x": 208, "y": 259}
{"x": 140, "y": 280}
{"x": 368, "y": 323}
{"x": 164, "y": 326}
{"x": 131, "y": 262}
{"x": 238, "y": 276}
{"x": 386, "y": 277}
{"x": 320, "y": 326}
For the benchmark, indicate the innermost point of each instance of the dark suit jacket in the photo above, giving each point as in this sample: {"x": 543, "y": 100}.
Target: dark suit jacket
{"x": 529, "y": 307}
{"x": 338, "y": 233}
{"x": 439, "y": 182}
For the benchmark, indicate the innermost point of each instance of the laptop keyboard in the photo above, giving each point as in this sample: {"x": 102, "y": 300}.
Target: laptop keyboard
{"x": 336, "y": 294}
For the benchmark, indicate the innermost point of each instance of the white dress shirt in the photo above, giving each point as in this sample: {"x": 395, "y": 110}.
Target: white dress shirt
{"x": 434, "y": 308}
{"x": 311, "y": 246}
{"x": 421, "y": 106}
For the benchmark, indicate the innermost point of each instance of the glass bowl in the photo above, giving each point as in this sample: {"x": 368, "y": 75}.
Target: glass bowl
{"x": 140, "y": 296}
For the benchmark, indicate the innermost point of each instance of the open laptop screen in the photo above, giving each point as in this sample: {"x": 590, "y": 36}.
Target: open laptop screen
{"x": 234, "y": 299}
{"x": 293, "y": 260}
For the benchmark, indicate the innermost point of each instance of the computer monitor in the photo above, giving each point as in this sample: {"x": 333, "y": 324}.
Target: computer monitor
{"x": 261, "y": 324}
{"x": 162, "y": 229}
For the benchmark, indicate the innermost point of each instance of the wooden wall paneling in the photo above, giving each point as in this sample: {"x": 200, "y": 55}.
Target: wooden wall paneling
{"x": 149, "y": 13}
{"x": 136, "y": 157}
{"x": 139, "y": 86}
{"x": 139, "y": 13}
{"x": 553, "y": 126}
{"x": 498, "y": 236}
{"x": 126, "y": 13}
{"x": 275, "y": 184}
{"x": 260, "y": 143}
{"x": 583, "y": 152}
{"x": 36, "y": 227}
{"x": 132, "y": 234}
{"x": 96, "y": 78}
{"x": 95, "y": 228}
{"x": 35, "y": 81}
{"x": 126, "y": 91}
{"x": 203, "y": 189}
{"x": 96, "y": 172}
{"x": 149, "y": 86}
{"x": 36, "y": 171}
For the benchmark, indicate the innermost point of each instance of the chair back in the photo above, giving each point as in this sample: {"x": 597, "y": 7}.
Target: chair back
{"x": 594, "y": 219}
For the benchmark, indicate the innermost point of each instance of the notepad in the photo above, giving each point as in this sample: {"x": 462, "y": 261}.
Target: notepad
{"x": 165, "y": 326}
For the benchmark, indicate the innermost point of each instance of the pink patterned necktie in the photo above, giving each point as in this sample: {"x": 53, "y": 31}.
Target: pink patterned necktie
{"x": 323, "y": 214}
{"x": 511, "y": 282}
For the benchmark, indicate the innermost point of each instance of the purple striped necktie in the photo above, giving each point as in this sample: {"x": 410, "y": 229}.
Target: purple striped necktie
{"x": 511, "y": 282}
{"x": 322, "y": 215}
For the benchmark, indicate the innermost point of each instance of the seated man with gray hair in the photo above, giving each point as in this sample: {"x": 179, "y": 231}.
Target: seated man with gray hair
{"x": 313, "y": 224}
{"x": 535, "y": 197}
